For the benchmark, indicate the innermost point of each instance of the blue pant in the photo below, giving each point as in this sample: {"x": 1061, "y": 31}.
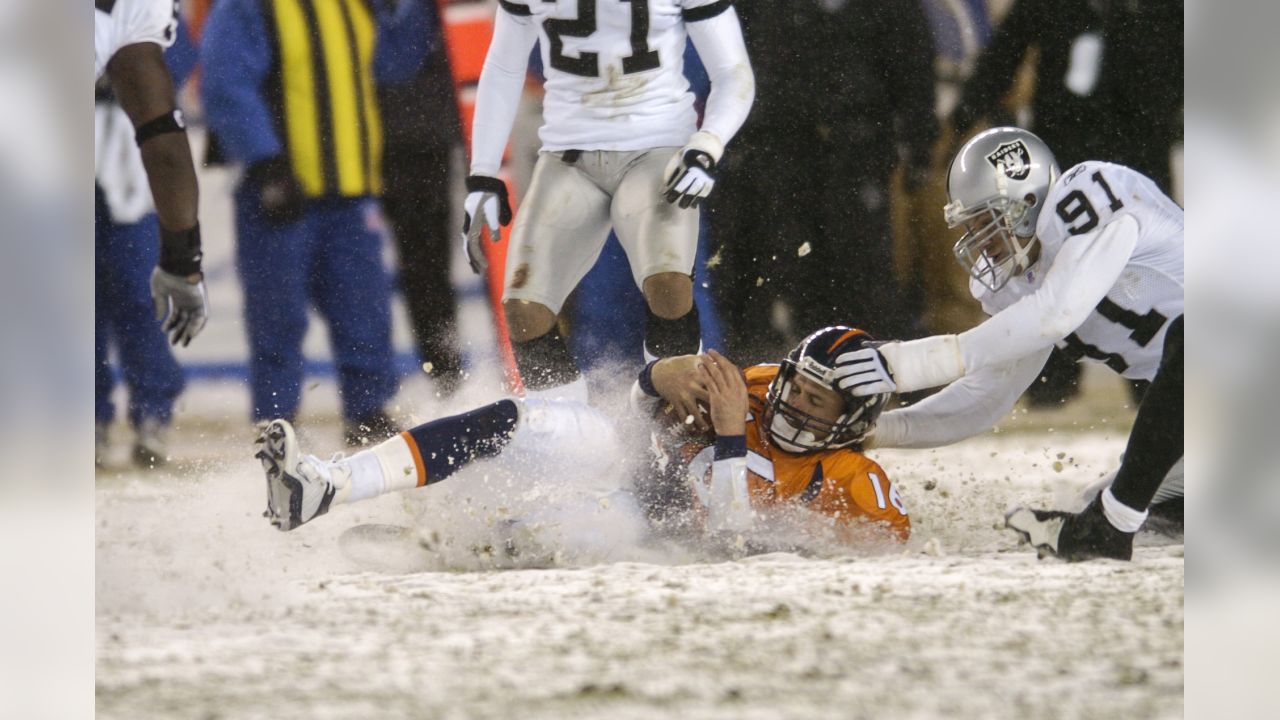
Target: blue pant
{"x": 123, "y": 258}
{"x": 330, "y": 259}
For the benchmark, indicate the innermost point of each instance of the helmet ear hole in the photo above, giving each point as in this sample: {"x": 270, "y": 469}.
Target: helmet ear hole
{"x": 1030, "y": 200}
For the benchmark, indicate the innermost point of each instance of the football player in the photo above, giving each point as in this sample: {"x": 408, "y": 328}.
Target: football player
{"x": 1089, "y": 260}
{"x": 785, "y": 442}
{"x": 620, "y": 134}
{"x": 129, "y": 38}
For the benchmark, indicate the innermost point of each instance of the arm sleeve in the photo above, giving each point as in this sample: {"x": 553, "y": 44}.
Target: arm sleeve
{"x": 1084, "y": 270}
{"x": 501, "y": 84}
{"x": 404, "y": 39}
{"x": 967, "y": 407}
{"x": 718, "y": 40}
{"x": 727, "y": 497}
{"x": 236, "y": 57}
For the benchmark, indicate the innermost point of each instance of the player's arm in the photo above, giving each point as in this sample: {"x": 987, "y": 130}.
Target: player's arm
{"x": 726, "y": 496}
{"x": 497, "y": 99}
{"x": 1085, "y": 268}
{"x": 970, "y": 406}
{"x": 501, "y": 85}
{"x": 717, "y": 36}
{"x": 142, "y": 84}
{"x": 144, "y": 88}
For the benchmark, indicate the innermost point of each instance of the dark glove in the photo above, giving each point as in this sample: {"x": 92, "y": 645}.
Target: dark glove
{"x": 486, "y": 206}
{"x": 279, "y": 194}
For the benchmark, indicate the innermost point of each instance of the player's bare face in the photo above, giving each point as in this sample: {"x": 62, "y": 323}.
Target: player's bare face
{"x": 817, "y": 400}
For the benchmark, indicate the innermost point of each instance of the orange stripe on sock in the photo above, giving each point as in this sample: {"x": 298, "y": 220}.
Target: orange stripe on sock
{"x": 417, "y": 458}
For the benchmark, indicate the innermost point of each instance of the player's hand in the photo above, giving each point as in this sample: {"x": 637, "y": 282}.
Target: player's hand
{"x": 280, "y": 197}
{"x": 181, "y": 302}
{"x": 864, "y": 371}
{"x": 679, "y": 382}
{"x": 690, "y": 172}
{"x": 486, "y": 206}
{"x": 727, "y": 393}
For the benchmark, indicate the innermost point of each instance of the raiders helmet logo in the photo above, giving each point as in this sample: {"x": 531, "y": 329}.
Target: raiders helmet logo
{"x": 1013, "y": 159}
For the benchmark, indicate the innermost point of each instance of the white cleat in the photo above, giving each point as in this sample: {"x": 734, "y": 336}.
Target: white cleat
{"x": 1040, "y": 529}
{"x": 299, "y": 488}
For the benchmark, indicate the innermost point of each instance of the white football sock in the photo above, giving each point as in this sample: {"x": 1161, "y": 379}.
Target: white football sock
{"x": 1123, "y": 517}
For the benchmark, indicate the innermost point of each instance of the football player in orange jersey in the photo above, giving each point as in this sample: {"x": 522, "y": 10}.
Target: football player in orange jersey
{"x": 778, "y": 447}
{"x": 783, "y": 441}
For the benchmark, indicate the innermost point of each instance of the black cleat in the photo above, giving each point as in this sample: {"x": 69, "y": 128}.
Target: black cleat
{"x": 1072, "y": 536}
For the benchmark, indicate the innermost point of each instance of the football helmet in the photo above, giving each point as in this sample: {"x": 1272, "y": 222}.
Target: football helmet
{"x": 997, "y": 186}
{"x": 795, "y": 430}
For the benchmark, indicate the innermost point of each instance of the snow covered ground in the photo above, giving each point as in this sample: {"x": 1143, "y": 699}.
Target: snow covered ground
{"x": 204, "y": 611}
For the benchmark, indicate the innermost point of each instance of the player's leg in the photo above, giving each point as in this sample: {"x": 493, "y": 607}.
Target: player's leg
{"x": 150, "y": 371}
{"x": 104, "y": 409}
{"x": 661, "y": 240}
{"x": 301, "y": 487}
{"x": 559, "y": 232}
{"x": 1107, "y": 526}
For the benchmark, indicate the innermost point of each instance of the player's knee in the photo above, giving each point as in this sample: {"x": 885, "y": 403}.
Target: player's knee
{"x": 669, "y": 295}
{"x": 527, "y": 320}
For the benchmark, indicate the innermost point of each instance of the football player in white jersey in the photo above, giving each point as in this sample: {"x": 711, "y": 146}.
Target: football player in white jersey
{"x": 1089, "y": 260}
{"x": 129, "y": 38}
{"x": 621, "y": 149}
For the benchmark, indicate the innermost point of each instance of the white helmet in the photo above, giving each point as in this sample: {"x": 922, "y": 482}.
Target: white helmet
{"x": 997, "y": 185}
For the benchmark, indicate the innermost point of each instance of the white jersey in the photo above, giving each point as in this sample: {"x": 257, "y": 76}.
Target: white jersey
{"x": 614, "y": 75}
{"x": 1106, "y": 286}
{"x": 117, "y": 23}
{"x": 614, "y": 72}
{"x": 1088, "y": 208}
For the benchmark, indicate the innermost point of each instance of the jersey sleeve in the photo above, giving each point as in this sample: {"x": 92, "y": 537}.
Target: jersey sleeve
{"x": 142, "y": 21}
{"x": 501, "y": 85}
{"x": 130, "y": 22}
{"x": 698, "y": 10}
{"x": 1083, "y": 271}
{"x": 718, "y": 40}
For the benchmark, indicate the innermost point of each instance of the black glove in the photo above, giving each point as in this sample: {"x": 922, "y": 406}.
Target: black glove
{"x": 279, "y": 194}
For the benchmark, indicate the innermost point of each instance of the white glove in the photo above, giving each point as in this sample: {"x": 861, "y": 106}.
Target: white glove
{"x": 864, "y": 372}
{"x": 688, "y": 173}
{"x": 486, "y": 202}
{"x": 900, "y": 366}
{"x": 185, "y": 304}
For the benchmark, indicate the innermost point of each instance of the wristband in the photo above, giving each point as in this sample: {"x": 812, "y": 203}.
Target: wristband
{"x": 180, "y": 252}
{"x": 646, "y": 380}
{"x": 170, "y": 122}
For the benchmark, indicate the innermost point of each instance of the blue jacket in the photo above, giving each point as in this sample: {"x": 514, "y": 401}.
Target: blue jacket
{"x": 237, "y": 55}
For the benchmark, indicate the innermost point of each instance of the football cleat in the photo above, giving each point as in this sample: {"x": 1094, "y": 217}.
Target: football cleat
{"x": 1071, "y": 536}
{"x": 299, "y": 488}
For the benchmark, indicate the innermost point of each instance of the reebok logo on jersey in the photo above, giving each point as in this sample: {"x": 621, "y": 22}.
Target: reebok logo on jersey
{"x": 1013, "y": 159}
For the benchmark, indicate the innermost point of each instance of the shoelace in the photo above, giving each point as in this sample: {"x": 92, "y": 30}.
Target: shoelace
{"x": 313, "y": 468}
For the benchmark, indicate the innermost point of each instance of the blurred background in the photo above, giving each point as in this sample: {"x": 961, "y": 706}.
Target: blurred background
{"x": 883, "y": 141}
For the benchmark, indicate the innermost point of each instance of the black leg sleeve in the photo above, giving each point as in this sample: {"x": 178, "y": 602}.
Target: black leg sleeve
{"x": 545, "y": 361}
{"x": 1155, "y": 444}
{"x": 668, "y": 338}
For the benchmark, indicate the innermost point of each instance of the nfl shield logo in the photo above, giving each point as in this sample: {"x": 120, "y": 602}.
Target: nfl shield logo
{"x": 1013, "y": 159}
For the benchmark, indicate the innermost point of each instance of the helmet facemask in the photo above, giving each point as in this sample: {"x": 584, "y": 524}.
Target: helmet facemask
{"x": 797, "y": 431}
{"x": 991, "y": 250}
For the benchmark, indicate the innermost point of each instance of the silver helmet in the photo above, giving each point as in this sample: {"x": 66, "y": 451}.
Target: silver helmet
{"x": 997, "y": 185}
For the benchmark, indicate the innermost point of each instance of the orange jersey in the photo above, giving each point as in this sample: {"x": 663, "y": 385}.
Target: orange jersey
{"x": 841, "y": 484}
